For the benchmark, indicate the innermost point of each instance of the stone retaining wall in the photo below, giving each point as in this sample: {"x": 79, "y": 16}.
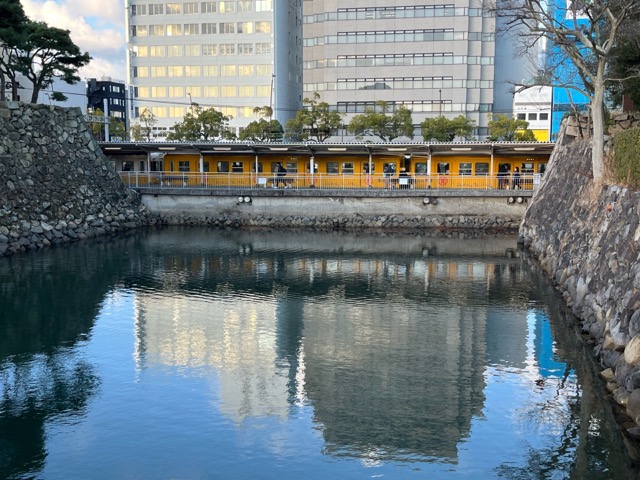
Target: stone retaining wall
{"x": 55, "y": 184}
{"x": 587, "y": 239}
{"x": 492, "y": 223}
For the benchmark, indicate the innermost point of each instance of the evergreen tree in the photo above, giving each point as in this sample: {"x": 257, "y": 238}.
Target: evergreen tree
{"x": 314, "y": 120}
{"x": 263, "y": 130}
{"x": 508, "y": 129}
{"x": 376, "y": 122}
{"x": 44, "y": 53}
{"x": 201, "y": 124}
{"x": 443, "y": 129}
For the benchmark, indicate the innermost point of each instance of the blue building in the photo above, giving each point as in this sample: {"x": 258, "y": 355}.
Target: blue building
{"x": 565, "y": 99}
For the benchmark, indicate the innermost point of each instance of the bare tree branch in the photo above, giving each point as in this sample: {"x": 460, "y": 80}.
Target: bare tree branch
{"x": 581, "y": 35}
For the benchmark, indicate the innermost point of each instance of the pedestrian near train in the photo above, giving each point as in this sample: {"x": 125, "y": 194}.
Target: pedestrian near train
{"x": 516, "y": 178}
{"x": 281, "y": 172}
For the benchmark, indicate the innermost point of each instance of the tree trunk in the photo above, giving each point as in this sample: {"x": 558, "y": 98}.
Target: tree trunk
{"x": 597, "y": 136}
{"x": 34, "y": 95}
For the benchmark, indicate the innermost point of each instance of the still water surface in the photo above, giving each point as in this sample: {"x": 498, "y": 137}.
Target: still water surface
{"x": 200, "y": 354}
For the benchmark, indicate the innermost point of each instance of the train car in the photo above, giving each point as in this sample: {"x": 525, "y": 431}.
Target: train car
{"x": 333, "y": 166}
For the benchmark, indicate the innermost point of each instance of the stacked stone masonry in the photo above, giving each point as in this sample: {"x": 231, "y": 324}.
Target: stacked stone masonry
{"x": 56, "y": 185}
{"x": 489, "y": 223}
{"x": 587, "y": 238}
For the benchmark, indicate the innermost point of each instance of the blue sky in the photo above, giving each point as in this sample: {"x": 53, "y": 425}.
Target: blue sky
{"x": 96, "y": 26}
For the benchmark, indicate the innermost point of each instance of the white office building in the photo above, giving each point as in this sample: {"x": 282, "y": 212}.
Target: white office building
{"x": 435, "y": 58}
{"x": 230, "y": 55}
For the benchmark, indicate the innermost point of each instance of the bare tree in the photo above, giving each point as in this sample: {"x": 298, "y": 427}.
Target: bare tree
{"x": 584, "y": 31}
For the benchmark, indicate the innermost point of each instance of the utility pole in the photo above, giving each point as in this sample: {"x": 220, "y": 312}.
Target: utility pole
{"x": 190, "y": 103}
{"x": 273, "y": 76}
{"x": 440, "y": 103}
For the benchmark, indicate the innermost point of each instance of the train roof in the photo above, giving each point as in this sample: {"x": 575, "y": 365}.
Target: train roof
{"x": 317, "y": 149}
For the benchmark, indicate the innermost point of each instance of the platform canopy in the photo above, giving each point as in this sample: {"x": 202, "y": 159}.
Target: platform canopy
{"x": 318, "y": 149}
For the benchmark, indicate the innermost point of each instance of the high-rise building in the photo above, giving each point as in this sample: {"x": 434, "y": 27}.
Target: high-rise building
{"x": 109, "y": 96}
{"x": 435, "y": 58}
{"x": 230, "y": 55}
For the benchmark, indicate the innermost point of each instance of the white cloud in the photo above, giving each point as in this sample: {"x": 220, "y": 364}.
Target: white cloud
{"x": 96, "y": 26}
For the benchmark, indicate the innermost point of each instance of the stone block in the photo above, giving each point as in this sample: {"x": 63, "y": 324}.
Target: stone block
{"x": 632, "y": 351}
{"x": 633, "y": 405}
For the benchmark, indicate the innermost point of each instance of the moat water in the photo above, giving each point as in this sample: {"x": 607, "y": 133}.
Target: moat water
{"x": 203, "y": 354}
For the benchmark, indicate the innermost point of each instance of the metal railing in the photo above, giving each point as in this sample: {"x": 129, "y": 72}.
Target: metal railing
{"x": 324, "y": 181}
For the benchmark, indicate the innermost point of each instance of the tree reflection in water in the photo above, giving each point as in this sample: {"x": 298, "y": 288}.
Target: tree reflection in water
{"x": 35, "y": 390}
{"x": 49, "y": 302}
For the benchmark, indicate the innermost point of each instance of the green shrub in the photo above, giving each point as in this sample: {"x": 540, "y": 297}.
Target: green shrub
{"x": 626, "y": 157}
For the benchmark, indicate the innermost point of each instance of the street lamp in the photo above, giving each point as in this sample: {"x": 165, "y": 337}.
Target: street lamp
{"x": 440, "y": 103}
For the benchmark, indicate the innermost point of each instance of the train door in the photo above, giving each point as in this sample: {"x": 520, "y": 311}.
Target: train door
{"x": 527, "y": 170}
{"x": 442, "y": 172}
{"x": 421, "y": 173}
{"x": 504, "y": 174}
{"x": 369, "y": 174}
{"x": 389, "y": 170}
{"x": 406, "y": 163}
{"x": 156, "y": 162}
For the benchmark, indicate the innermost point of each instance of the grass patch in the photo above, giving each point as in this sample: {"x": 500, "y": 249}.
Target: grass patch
{"x": 626, "y": 157}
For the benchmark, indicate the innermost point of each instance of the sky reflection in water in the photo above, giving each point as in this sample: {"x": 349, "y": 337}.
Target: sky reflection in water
{"x": 201, "y": 354}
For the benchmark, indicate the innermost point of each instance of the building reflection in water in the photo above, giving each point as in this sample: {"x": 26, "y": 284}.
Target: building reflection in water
{"x": 388, "y": 349}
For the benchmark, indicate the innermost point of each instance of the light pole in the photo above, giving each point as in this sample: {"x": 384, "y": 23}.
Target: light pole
{"x": 273, "y": 76}
{"x": 440, "y": 103}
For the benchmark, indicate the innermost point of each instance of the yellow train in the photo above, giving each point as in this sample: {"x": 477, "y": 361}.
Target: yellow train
{"x": 331, "y": 166}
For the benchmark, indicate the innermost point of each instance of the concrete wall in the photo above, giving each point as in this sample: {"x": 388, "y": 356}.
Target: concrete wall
{"x": 55, "y": 184}
{"x": 339, "y": 209}
{"x": 586, "y": 237}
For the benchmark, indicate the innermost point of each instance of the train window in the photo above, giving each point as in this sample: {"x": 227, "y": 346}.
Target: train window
{"x": 237, "y": 167}
{"x": 347, "y": 168}
{"x": 205, "y": 167}
{"x": 274, "y": 167}
{"x": 223, "y": 167}
{"x": 522, "y": 116}
{"x": 465, "y": 169}
{"x": 292, "y": 167}
{"x": 127, "y": 166}
{"x": 482, "y": 168}
{"x": 315, "y": 167}
{"x": 142, "y": 165}
{"x": 532, "y": 116}
{"x": 542, "y": 168}
{"x": 183, "y": 166}
{"x": 443, "y": 168}
{"x": 332, "y": 167}
{"x": 253, "y": 167}
{"x": 422, "y": 168}
{"x": 544, "y": 116}
{"x": 527, "y": 168}
{"x": 389, "y": 168}
{"x": 365, "y": 168}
